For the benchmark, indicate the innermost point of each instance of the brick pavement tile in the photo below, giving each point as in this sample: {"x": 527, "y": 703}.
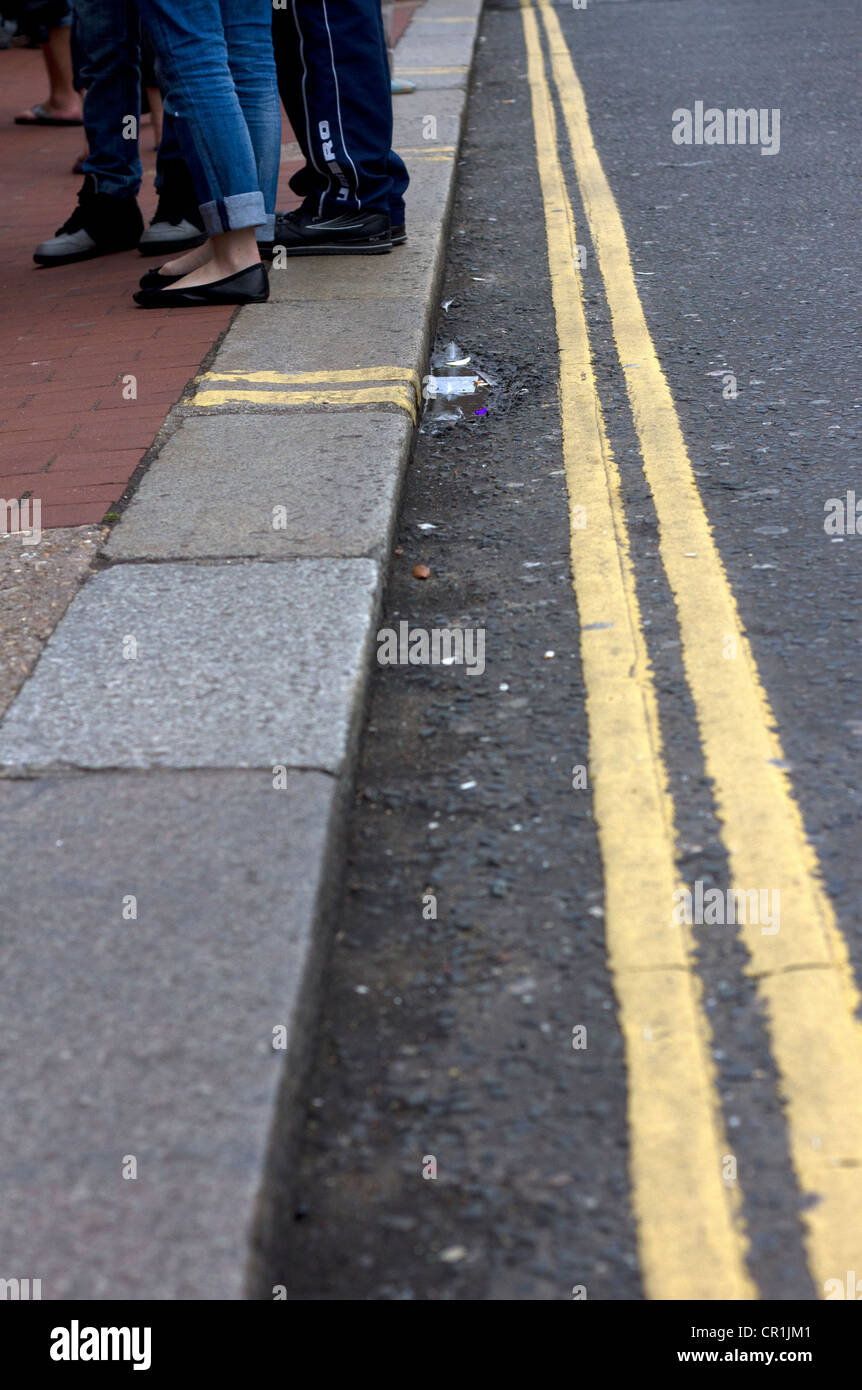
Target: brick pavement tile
{"x": 85, "y": 475}
{"x": 13, "y": 485}
{"x": 93, "y": 377}
{"x": 45, "y": 403}
{"x": 72, "y": 332}
{"x": 72, "y": 514}
{"x": 122, "y": 433}
{"x": 55, "y": 428}
{"x": 35, "y": 350}
{"x": 113, "y": 361}
{"x": 13, "y": 464}
{"x": 97, "y": 493}
{"x": 77, "y": 452}
{"x": 165, "y": 399}
{"x": 27, "y": 374}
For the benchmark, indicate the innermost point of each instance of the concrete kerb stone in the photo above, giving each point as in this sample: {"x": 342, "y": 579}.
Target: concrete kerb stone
{"x": 437, "y": 52}
{"x": 193, "y": 666}
{"x": 242, "y": 486}
{"x": 142, "y": 1058}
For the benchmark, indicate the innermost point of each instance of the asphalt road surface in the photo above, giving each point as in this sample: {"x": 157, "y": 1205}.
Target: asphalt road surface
{"x": 557, "y": 1087}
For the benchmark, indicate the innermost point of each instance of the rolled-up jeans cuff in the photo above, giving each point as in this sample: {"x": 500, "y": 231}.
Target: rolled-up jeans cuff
{"x": 229, "y": 214}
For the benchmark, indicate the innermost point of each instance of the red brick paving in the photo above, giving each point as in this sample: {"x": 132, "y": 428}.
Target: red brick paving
{"x": 402, "y": 13}
{"x": 72, "y": 333}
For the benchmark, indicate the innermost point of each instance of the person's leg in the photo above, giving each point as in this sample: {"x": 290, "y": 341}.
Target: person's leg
{"x": 333, "y": 75}
{"x": 201, "y": 97}
{"x": 347, "y": 103}
{"x": 64, "y": 100}
{"x": 150, "y": 84}
{"x": 395, "y": 166}
{"x": 248, "y": 30}
{"x": 107, "y": 218}
{"x": 399, "y": 86}
{"x": 63, "y": 103}
{"x": 202, "y": 100}
{"x": 290, "y": 46}
{"x": 252, "y": 65}
{"x": 176, "y": 225}
{"x": 107, "y": 36}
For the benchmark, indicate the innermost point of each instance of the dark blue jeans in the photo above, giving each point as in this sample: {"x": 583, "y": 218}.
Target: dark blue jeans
{"x": 333, "y": 75}
{"x": 216, "y": 60}
{"x": 107, "y": 43}
{"x": 108, "y": 49}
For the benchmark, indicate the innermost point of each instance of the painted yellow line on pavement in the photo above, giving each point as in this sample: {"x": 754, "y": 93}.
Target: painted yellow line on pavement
{"x": 401, "y": 396}
{"x": 690, "y": 1233}
{"x": 405, "y": 72}
{"x": 329, "y": 376}
{"x": 804, "y": 974}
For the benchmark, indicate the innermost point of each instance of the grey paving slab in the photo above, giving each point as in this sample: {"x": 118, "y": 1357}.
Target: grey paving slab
{"x": 436, "y": 50}
{"x": 235, "y": 665}
{"x": 453, "y": 73}
{"x": 412, "y": 129}
{"x": 150, "y": 1037}
{"x": 297, "y": 484}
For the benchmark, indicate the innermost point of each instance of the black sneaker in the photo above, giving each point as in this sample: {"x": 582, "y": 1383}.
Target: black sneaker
{"x": 399, "y": 235}
{"x": 348, "y": 234}
{"x": 100, "y": 225}
{"x": 177, "y": 224}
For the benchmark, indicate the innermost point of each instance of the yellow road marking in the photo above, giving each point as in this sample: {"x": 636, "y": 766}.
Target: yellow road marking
{"x": 804, "y": 974}
{"x": 410, "y": 72}
{"x": 401, "y": 396}
{"x": 323, "y": 375}
{"x": 690, "y": 1235}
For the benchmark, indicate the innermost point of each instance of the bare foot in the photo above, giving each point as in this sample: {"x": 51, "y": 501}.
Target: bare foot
{"x": 208, "y": 274}
{"x": 227, "y": 255}
{"x": 190, "y": 260}
{"x": 66, "y": 112}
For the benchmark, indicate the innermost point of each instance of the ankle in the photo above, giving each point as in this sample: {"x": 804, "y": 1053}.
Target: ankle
{"x": 236, "y": 261}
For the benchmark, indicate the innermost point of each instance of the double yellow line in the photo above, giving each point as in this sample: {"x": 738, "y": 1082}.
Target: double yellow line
{"x": 391, "y": 385}
{"x": 691, "y": 1238}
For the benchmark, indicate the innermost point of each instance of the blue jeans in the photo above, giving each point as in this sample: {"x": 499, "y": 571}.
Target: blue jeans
{"x": 217, "y": 63}
{"x": 333, "y": 72}
{"x": 107, "y": 39}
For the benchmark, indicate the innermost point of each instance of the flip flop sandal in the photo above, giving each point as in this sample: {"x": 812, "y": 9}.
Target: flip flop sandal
{"x": 37, "y": 115}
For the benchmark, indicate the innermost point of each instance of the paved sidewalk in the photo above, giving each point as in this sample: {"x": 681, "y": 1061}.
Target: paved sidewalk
{"x": 177, "y": 765}
{"x": 70, "y": 433}
{"x": 72, "y": 334}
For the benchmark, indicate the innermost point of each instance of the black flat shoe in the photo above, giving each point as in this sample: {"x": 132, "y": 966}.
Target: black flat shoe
{"x": 249, "y": 286}
{"x": 155, "y": 280}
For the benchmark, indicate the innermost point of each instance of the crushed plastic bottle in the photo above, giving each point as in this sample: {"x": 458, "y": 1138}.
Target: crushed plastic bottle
{"x": 453, "y": 388}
